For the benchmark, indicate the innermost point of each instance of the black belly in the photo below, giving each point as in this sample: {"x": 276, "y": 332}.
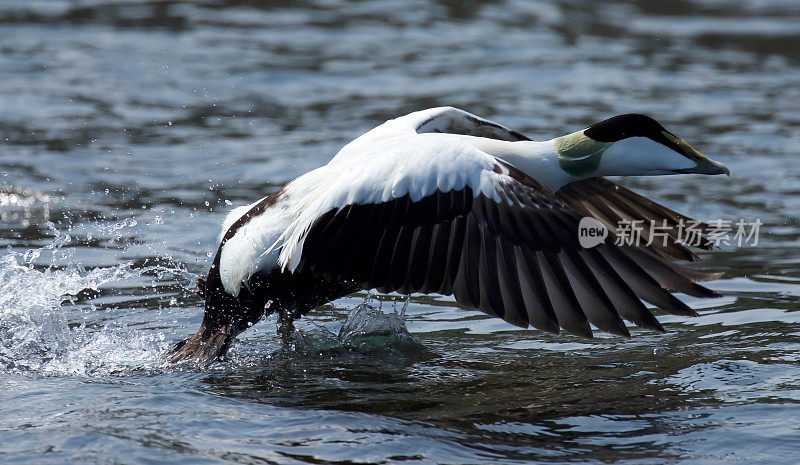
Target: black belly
{"x": 267, "y": 293}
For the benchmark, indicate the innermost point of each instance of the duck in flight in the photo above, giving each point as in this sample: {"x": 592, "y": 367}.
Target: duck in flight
{"x": 441, "y": 201}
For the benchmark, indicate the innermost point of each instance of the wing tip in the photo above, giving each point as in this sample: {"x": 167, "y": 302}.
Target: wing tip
{"x": 580, "y": 331}
{"x": 621, "y": 330}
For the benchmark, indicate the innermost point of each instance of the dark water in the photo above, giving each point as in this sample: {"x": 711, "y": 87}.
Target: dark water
{"x": 130, "y": 127}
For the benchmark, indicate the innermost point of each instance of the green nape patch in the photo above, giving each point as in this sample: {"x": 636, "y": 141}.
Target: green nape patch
{"x": 579, "y": 155}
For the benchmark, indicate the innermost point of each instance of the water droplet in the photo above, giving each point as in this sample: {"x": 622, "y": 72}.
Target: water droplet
{"x": 658, "y": 351}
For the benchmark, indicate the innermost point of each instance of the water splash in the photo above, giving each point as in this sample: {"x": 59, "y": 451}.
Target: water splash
{"x": 366, "y": 322}
{"x": 110, "y": 351}
{"x": 44, "y": 328}
{"x": 367, "y": 329}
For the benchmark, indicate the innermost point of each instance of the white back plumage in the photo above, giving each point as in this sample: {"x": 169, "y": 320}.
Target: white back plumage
{"x": 412, "y": 154}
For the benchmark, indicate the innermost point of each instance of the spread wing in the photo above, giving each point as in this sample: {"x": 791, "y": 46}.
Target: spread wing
{"x": 454, "y": 121}
{"x": 447, "y": 120}
{"x": 613, "y": 205}
{"x": 489, "y": 235}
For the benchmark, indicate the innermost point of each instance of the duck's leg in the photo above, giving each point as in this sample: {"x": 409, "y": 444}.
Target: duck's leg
{"x": 286, "y": 325}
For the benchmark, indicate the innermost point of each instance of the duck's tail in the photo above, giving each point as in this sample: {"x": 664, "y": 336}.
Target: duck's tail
{"x": 205, "y": 346}
{"x": 225, "y": 317}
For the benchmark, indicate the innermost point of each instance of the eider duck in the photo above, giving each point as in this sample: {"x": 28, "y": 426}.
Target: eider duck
{"x": 442, "y": 201}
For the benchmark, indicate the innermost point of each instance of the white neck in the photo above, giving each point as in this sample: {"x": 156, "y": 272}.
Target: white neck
{"x": 538, "y": 160}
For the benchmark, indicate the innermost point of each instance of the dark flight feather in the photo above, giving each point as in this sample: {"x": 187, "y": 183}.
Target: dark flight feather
{"x": 516, "y": 257}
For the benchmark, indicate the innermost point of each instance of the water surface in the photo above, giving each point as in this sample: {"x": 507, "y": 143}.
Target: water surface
{"x": 129, "y": 128}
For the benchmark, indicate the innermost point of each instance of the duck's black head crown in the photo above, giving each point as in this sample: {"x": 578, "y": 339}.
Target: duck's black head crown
{"x": 625, "y": 126}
